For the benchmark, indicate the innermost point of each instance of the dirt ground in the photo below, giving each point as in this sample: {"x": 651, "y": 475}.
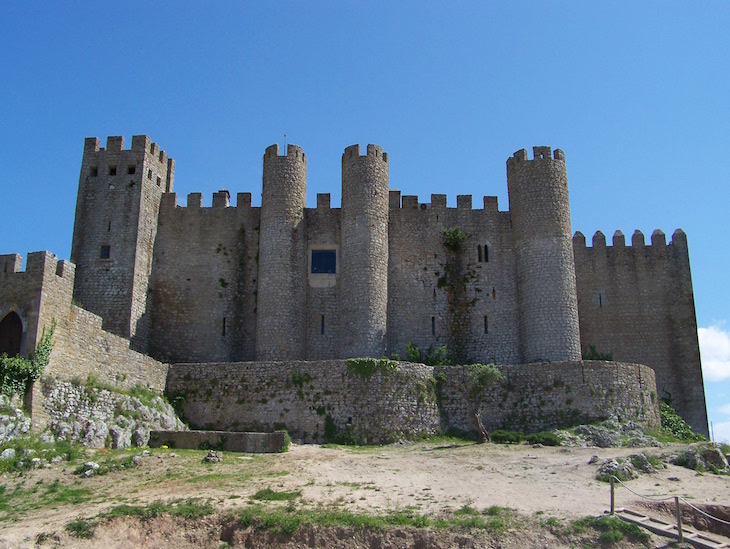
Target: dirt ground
{"x": 430, "y": 477}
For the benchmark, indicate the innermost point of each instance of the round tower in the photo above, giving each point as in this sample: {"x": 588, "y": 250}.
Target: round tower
{"x": 281, "y": 297}
{"x": 540, "y": 213}
{"x": 364, "y": 252}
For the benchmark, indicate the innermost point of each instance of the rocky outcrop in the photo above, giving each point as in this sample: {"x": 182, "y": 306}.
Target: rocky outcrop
{"x": 98, "y": 417}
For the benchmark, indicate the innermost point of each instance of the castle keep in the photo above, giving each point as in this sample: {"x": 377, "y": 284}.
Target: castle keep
{"x": 255, "y": 289}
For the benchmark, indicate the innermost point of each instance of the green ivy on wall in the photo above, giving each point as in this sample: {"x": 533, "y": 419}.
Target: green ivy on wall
{"x": 17, "y": 374}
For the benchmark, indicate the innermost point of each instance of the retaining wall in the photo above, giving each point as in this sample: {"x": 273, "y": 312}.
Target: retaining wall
{"x": 315, "y": 401}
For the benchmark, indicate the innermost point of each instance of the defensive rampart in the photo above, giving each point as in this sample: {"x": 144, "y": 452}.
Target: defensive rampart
{"x": 41, "y": 295}
{"x": 316, "y": 401}
{"x": 636, "y": 303}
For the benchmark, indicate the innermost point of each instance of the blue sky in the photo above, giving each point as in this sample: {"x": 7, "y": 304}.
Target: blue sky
{"x": 635, "y": 93}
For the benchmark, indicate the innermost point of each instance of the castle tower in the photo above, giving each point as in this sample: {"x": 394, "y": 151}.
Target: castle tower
{"x": 364, "y": 272}
{"x": 115, "y": 229}
{"x": 540, "y": 213}
{"x": 280, "y": 306}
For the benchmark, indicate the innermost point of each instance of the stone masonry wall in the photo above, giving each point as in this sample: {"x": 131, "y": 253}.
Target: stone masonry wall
{"x": 418, "y": 308}
{"x": 540, "y": 213}
{"x": 542, "y": 396}
{"x": 636, "y": 302}
{"x": 300, "y": 396}
{"x": 114, "y": 230}
{"x": 204, "y": 281}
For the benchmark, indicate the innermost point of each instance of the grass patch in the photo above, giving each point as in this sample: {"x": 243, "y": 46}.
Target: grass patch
{"x": 288, "y": 520}
{"x": 612, "y": 529}
{"x": 31, "y": 446}
{"x": 267, "y": 494}
{"x": 81, "y": 528}
{"x": 191, "y": 508}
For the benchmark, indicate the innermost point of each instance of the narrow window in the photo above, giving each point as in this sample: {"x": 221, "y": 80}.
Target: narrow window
{"x": 112, "y": 170}
{"x": 486, "y": 253}
{"x": 109, "y": 227}
{"x": 321, "y": 324}
{"x": 494, "y": 293}
{"x": 94, "y": 171}
{"x": 433, "y": 325}
{"x": 149, "y": 175}
{"x": 224, "y": 326}
{"x": 105, "y": 252}
{"x": 479, "y": 254}
{"x": 159, "y": 181}
{"x": 131, "y": 169}
{"x": 486, "y": 324}
{"x": 600, "y": 300}
{"x": 324, "y": 262}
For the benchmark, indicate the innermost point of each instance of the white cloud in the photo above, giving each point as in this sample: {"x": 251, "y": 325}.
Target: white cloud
{"x": 724, "y": 409}
{"x": 721, "y": 431}
{"x": 715, "y": 351}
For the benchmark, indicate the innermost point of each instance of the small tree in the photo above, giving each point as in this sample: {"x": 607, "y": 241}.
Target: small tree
{"x": 478, "y": 377}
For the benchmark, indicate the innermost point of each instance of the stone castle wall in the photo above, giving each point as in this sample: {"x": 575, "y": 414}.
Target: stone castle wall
{"x": 229, "y": 284}
{"x": 636, "y": 302}
{"x": 114, "y": 230}
{"x": 204, "y": 280}
{"x": 549, "y": 395}
{"x": 302, "y": 397}
{"x": 41, "y": 295}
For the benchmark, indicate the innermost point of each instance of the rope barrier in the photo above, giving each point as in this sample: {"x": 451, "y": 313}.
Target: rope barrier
{"x": 668, "y": 498}
{"x": 640, "y": 495}
{"x": 703, "y": 512}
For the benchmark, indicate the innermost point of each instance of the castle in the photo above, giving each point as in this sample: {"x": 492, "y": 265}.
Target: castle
{"x": 163, "y": 284}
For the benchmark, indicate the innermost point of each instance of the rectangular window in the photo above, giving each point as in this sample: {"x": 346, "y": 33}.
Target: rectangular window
{"x": 486, "y": 325}
{"x": 159, "y": 182}
{"x": 433, "y": 325}
{"x": 321, "y": 325}
{"x": 324, "y": 261}
{"x": 94, "y": 171}
{"x": 105, "y": 252}
{"x": 112, "y": 170}
{"x": 149, "y": 174}
{"x": 131, "y": 169}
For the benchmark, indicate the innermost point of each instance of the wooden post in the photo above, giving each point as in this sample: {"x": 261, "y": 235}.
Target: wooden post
{"x": 679, "y": 519}
{"x": 612, "y": 497}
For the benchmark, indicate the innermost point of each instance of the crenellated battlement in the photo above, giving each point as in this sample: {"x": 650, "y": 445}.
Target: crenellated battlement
{"x": 144, "y": 157}
{"x": 293, "y": 152}
{"x": 353, "y": 151}
{"x": 220, "y": 200}
{"x": 658, "y": 240}
{"x": 115, "y": 144}
{"x": 438, "y": 202}
{"x": 39, "y": 265}
{"x": 539, "y": 153}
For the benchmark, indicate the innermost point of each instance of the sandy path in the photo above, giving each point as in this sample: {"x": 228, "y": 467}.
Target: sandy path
{"x": 429, "y": 477}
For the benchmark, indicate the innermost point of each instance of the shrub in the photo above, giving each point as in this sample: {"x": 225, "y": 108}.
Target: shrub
{"x": 454, "y": 237}
{"x": 17, "y": 374}
{"x": 507, "y": 437}
{"x": 675, "y": 426}
{"x": 546, "y": 438}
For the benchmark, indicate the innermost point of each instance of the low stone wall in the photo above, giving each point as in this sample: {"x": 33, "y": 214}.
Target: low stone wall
{"x": 97, "y": 417}
{"x": 316, "y": 401}
{"x": 308, "y": 399}
{"x": 252, "y": 443}
{"x": 82, "y": 348}
{"x": 541, "y": 396}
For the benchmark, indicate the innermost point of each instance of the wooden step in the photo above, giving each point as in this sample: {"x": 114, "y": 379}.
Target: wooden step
{"x": 662, "y": 528}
